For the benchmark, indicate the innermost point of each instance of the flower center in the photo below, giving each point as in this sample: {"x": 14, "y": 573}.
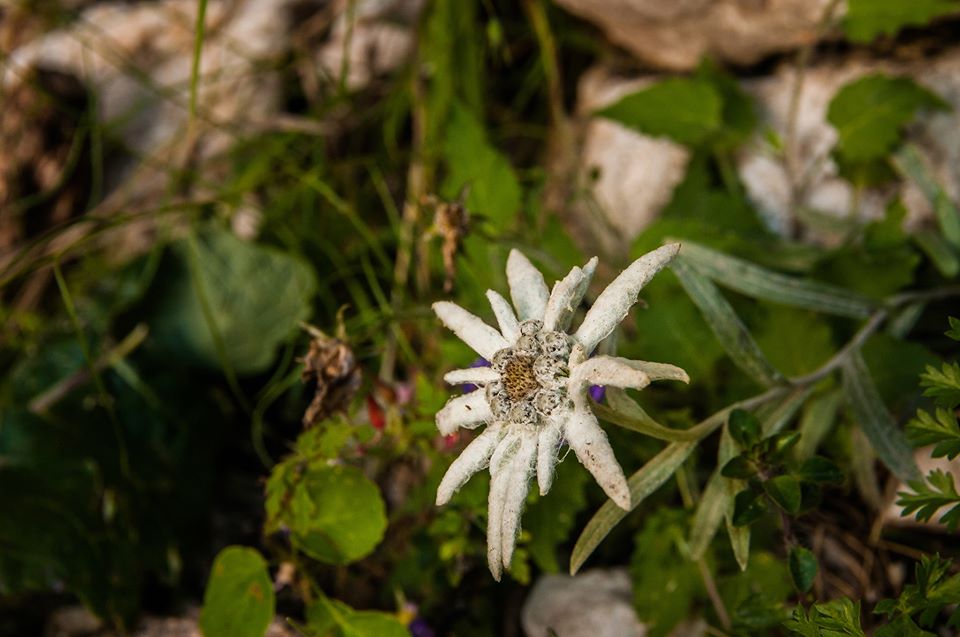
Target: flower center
{"x": 519, "y": 379}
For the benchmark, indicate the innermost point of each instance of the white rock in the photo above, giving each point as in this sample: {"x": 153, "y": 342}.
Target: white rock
{"x": 596, "y": 603}
{"x": 676, "y": 35}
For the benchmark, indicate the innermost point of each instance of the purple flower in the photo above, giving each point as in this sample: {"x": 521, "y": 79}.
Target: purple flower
{"x": 598, "y": 392}
{"x": 480, "y": 362}
{"x": 419, "y": 628}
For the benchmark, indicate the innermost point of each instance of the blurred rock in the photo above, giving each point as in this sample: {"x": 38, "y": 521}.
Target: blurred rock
{"x": 818, "y": 186}
{"x": 596, "y": 603}
{"x": 676, "y": 35}
{"x": 627, "y": 177}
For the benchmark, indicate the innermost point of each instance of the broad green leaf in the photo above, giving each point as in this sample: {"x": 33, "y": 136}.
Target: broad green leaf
{"x": 868, "y": 19}
{"x": 726, "y": 325}
{"x": 870, "y": 113}
{"x": 332, "y": 618}
{"x": 785, "y": 492}
{"x": 748, "y": 507}
{"x": 642, "y": 483}
{"x": 803, "y": 568}
{"x": 795, "y": 341}
{"x": 239, "y": 600}
{"x": 738, "y": 114}
{"x": 886, "y": 438}
{"x": 757, "y": 282}
{"x": 666, "y": 583}
{"x": 739, "y": 535}
{"x": 475, "y": 166}
{"x": 228, "y": 302}
{"x": 684, "y": 109}
{"x": 744, "y": 427}
{"x": 334, "y": 513}
{"x": 944, "y": 256}
{"x": 817, "y": 420}
{"x": 819, "y": 470}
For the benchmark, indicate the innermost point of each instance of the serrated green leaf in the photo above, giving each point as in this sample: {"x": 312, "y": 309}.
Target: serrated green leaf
{"x": 837, "y": 618}
{"x": 726, "y": 325}
{"x": 868, "y": 19}
{"x": 940, "y": 429}
{"x": 871, "y": 414}
{"x": 334, "y": 513}
{"x": 757, "y": 282}
{"x": 226, "y": 301}
{"x": 803, "y": 568}
{"x": 686, "y": 110}
{"x": 943, "y": 385}
{"x": 785, "y": 492}
{"x": 954, "y": 331}
{"x": 642, "y": 483}
{"x": 928, "y": 497}
{"x": 239, "y": 600}
{"x": 869, "y": 114}
{"x": 475, "y": 165}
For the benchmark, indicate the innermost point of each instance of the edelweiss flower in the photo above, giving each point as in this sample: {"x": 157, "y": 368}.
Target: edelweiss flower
{"x": 534, "y": 394}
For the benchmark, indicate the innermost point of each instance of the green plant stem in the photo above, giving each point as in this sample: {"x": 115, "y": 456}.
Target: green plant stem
{"x": 711, "y": 587}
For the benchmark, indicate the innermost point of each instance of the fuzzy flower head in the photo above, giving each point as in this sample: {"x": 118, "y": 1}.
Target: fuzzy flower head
{"x": 534, "y": 395}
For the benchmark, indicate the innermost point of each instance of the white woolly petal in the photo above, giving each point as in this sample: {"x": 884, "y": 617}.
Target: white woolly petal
{"x": 527, "y": 287}
{"x": 475, "y": 457}
{"x": 611, "y": 371}
{"x": 473, "y": 375}
{"x": 615, "y": 301}
{"x": 506, "y": 319}
{"x": 590, "y": 443}
{"x": 500, "y": 478}
{"x": 660, "y": 371}
{"x": 468, "y": 411}
{"x": 484, "y": 340}
{"x": 549, "y": 441}
{"x": 566, "y": 296}
{"x": 516, "y": 493}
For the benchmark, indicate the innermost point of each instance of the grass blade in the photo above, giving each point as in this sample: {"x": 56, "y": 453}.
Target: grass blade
{"x": 642, "y": 483}
{"x": 761, "y": 283}
{"x": 886, "y": 438}
{"x": 726, "y": 325}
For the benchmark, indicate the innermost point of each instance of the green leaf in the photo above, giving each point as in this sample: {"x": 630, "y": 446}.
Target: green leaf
{"x": 837, "y": 618}
{"x": 549, "y": 520}
{"x": 739, "y": 535}
{"x": 226, "y": 301}
{"x": 939, "y": 251}
{"x": 741, "y": 467}
{"x": 928, "y": 497}
{"x": 757, "y": 282}
{"x": 868, "y": 19}
{"x": 817, "y": 420}
{"x": 473, "y": 163}
{"x": 748, "y": 507}
{"x": 726, "y": 325}
{"x": 239, "y": 600}
{"x": 665, "y": 583}
{"x": 626, "y": 412}
{"x": 332, "y": 618}
{"x": 713, "y": 504}
{"x": 875, "y": 421}
{"x": 642, "y": 483}
{"x": 794, "y": 356}
{"x": 820, "y": 470}
{"x": 912, "y": 166}
{"x": 869, "y": 114}
{"x": 738, "y": 114}
{"x": 943, "y": 385}
{"x": 954, "y": 331}
{"x": 744, "y": 427}
{"x": 902, "y": 626}
{"x": 686, "y": 110}
{"x": 940, "y": 429}
{"x": 803, "y": 568}
{"x": 334, "y": 513}
{"x": 785, "y": 492}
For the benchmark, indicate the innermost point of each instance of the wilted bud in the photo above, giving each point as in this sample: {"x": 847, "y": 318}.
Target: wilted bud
{"x": 331, "y": 364}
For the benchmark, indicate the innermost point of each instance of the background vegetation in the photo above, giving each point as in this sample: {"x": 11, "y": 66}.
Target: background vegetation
{"x": 249, "y": 421}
